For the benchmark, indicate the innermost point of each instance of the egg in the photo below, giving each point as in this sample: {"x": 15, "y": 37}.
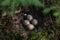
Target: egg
{"x": 30, "y": 27}
{"x": 34, "y": 22}
{"x": 26, "y": 22}
{"x": 29, "y": 17}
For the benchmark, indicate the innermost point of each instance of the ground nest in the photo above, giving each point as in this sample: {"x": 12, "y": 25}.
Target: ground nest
{"x": 13, "y": 23}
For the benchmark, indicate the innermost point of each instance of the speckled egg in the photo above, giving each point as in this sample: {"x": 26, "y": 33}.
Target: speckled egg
{"x": 30, "y": 27}
{"x": 29, "y": 17}
{"x": 26, "y": 22}
{"x": 34, "y": 22}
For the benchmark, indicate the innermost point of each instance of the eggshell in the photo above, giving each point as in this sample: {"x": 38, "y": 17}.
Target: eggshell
{"x": 26, "y": 22}
{"x": 30, "y": 27}
{"x": 29, "y": 17}
{"x": 34, "y": 22}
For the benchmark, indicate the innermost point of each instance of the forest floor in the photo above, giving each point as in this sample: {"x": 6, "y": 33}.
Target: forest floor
{"x": 13, "y": 23}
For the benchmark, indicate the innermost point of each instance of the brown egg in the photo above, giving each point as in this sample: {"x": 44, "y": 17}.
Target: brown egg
{"x": 26, "y": 22}
{"x": 30, "y": 27}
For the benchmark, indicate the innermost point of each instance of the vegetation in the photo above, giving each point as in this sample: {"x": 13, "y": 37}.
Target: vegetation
{"x": 47, "y": 13}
